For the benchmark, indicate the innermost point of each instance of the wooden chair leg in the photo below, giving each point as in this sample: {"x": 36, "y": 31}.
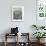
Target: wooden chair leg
{"x": 17, "y": 39}
{"x": 5, "y": 39}
{"x": 5, "y": 43}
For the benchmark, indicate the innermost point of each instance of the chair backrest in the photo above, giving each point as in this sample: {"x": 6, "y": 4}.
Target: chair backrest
{"x": 24, "y": 37}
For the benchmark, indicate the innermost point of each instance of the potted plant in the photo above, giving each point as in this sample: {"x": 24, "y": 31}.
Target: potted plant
{"x": 39, "y": 35}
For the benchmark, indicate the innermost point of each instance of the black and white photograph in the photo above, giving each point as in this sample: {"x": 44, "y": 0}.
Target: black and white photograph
{"x": 17, "y": 13}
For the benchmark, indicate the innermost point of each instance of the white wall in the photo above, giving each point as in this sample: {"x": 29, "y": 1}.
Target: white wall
{"x": 29, "y": 15}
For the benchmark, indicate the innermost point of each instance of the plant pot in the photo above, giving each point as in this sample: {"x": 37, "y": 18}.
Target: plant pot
{"x": 40, "y": 40}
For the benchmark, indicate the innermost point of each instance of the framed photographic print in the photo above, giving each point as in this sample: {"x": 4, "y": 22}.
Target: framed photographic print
{"x": 41, "y": 9}
{"x": 18, "y": 13}
{"x": 41, "y": 12}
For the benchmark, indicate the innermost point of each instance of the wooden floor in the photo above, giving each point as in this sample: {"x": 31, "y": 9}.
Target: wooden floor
{"x": 13, "y": 44}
